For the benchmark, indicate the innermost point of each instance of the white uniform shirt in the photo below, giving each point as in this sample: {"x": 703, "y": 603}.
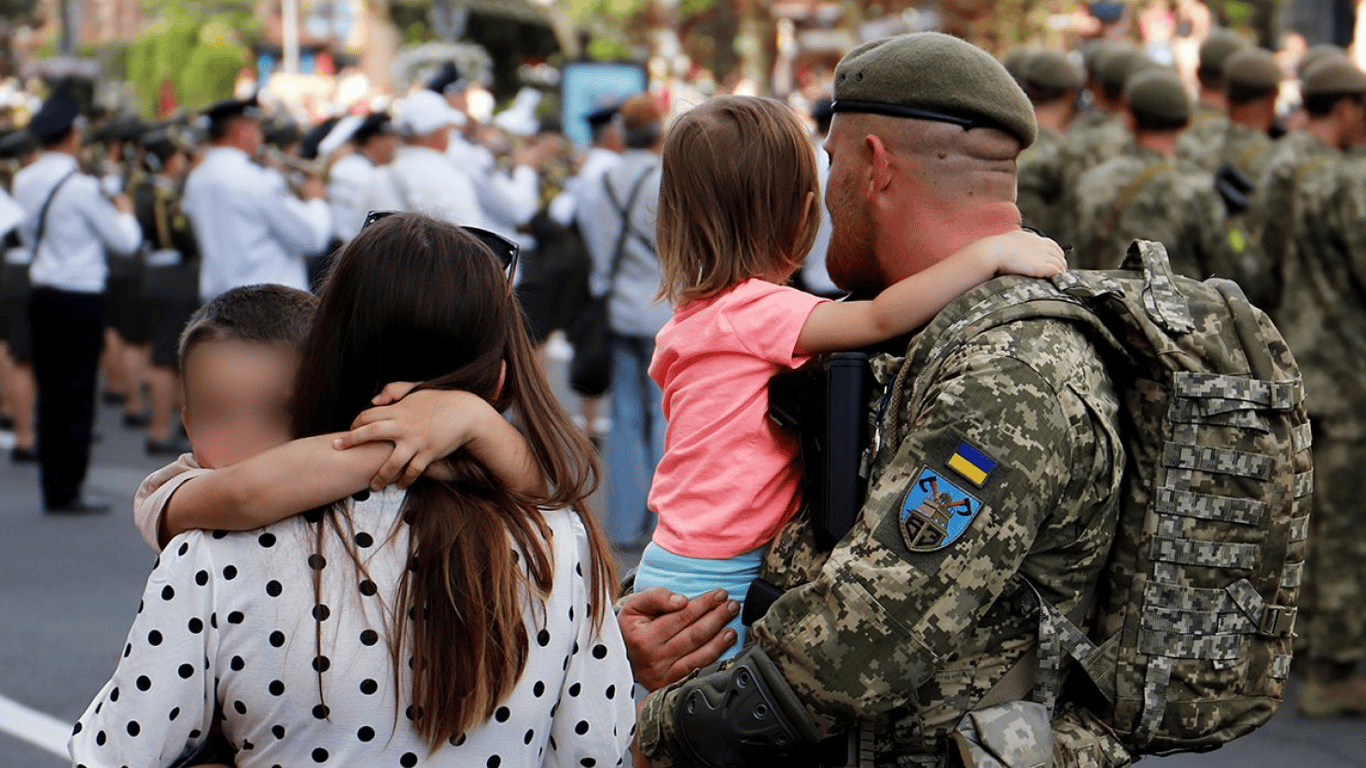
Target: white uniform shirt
{"x": 227, "y": 620}
{"x": 509, "y": 200}
{"x": 633, "y": 309}
{"x": 814, "y": 270}
{"x": 421, "y": 179}
{"x": 250, "y": 228}
{"x": 81, "y": 224}
{"x": 348, "y": 184}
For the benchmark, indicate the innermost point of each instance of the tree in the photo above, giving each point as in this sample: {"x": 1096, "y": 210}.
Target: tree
{"x": 14, "y": 15}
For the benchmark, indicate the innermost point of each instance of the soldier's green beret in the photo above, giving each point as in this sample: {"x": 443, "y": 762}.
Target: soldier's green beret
{"x": 1092, "y": 54}
{"x": 1315, "y": 54}
{"x": 1158, "y": 92}
{"x": 1054, "y": 71}
{"x": 1333, "y": 76}
{"x": 1252, "y": 69}
{"x": 1217, "y": 48}
{"x": 1121, "y": 64}
{"x": 932, "y": 76}
{"x": 1017, "y": 61}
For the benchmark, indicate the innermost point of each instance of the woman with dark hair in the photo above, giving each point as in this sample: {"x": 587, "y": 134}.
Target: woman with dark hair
{"x": 457, "y": 623}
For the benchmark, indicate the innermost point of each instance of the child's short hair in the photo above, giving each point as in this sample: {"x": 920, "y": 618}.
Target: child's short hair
{"x": 269, "y": 314}
{"x": 733, "y": 197}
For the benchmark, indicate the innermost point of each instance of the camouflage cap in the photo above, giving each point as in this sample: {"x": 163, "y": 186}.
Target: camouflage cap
{"x": 1053, "y": 70}
{"x": 1332, "y": 76}
{"x": 1121, "y": 64}
{"x": 1158, "y": 92}
{"x": 1217, "y": 48}
{"x": 932, "y": 76}
{"x": 1316, "y": 54}
{"x": 1252, "y": 69}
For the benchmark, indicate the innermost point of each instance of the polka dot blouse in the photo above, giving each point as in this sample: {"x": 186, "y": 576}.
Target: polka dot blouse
{"x": 227, "y": 626}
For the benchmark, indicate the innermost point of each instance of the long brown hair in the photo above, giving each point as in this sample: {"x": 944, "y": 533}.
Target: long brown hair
{"x": 733, "y": 197}
{"x": 415, "y": 299}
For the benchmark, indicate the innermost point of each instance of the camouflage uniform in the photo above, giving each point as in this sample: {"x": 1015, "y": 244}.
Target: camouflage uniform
{"x": 1270, "y": 216}
{"x": 1039, "y": 183}
{"x": 1176, "y": 206}
{"x": 1200, "y": 142}
{"x": 1323, "y": 320}
{"x": 897, "y": 642}
{"x": 1087, "y": 146}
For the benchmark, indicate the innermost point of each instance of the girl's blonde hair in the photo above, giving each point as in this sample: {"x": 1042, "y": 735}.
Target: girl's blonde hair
{"x": 733, "y": 197}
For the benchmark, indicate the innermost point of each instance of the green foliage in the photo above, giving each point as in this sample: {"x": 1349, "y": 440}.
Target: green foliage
{"x": 202, "y": 61}
{"x": 211, "y": 72}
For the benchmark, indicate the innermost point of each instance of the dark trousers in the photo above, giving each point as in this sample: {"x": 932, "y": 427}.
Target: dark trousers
{"x": 68, "y": 334}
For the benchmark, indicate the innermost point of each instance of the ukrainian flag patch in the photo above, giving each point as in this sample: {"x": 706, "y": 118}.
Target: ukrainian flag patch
{"x": 971, "y": 464}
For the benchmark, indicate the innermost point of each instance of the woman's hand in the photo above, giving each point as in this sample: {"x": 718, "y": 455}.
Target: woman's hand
{"x": 668, "y": 636}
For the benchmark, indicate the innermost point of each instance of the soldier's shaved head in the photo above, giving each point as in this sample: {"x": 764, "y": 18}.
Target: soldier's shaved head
{"x": 905, "y": 193}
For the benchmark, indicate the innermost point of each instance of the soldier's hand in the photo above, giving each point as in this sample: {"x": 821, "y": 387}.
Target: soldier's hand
{"x": 668, "y": 636}
{"x": 313, "y": 189}
{"x": 121, "y": 203}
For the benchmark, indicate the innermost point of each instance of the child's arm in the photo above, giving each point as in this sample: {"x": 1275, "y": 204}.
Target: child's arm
{"x": 266, "y": 488}
{"x": 910, "y": 303}
{"x": 429, "y": 425}
{"x": 402, "y": 439}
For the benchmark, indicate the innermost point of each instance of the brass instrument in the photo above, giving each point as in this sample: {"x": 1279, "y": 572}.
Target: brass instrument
{"x": 295, "y": 170}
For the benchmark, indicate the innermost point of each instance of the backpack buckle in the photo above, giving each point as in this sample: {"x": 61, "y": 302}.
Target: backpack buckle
{"x": 1277, "y": 621}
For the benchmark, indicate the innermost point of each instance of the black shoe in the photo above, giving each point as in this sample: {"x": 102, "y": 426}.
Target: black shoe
{"x": 80, "y": 506}
{"x": 136, "y": 421}
{"x": 23, "y": 455}
{"x": 6, "y": 424}
{"x": 113, "y": 398}
{"x": 173, "y": 447}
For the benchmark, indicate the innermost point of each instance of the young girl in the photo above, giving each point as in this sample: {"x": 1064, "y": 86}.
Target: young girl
{"x": 736, "y": 218}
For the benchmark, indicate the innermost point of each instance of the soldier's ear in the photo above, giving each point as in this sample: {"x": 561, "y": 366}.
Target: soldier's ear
{"x": 879, "y": 166}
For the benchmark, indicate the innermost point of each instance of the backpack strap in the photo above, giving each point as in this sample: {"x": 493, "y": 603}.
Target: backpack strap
{"x": 42, "y": 212}
{"x": 628, "y": 228}
{"x": 1126, "y": 198}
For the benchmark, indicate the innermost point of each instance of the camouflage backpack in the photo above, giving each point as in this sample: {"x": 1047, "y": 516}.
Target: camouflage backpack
{"x": 1194, "y": 612}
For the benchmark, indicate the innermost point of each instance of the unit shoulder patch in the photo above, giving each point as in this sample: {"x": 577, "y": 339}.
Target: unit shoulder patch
{"x": 935, "y": 512}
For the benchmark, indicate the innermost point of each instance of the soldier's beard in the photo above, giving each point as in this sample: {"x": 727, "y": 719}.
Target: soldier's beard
{"x": 851, "y": 260}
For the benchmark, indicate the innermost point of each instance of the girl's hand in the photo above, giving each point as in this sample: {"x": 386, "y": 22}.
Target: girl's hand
{"x": 1023, "y": 253}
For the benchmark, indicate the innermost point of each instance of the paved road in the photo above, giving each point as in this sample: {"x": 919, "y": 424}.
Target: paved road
{"x": 69, "y": 588}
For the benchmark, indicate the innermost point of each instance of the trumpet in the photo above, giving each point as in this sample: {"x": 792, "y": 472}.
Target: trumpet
{"x": 296, "y": 170}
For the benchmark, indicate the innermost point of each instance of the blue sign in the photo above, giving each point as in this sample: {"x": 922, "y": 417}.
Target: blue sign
{"x": 589, "y": 86}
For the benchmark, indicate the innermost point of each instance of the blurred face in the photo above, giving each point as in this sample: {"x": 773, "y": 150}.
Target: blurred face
{"x": 237, "y": 397}
{"x": 176, "y": 166}
{"x": 850, "y": 259}
{"x": 382, "y": 148}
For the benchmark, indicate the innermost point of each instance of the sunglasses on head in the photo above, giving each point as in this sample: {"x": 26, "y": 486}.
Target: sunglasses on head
{"x": 504, "y": 250}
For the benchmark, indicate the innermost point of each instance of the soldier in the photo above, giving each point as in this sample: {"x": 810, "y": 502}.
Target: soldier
{"x": 1335, "y": 104}
{"x": 69, "y": 222}
{"x": 169, "y": 291}
{"x": 1084, "y": 149}
{"x": 249, "y": 227}
{"x": 1147, "y": 191}
{"x": 374, "y": 144}
{"x": 1053, "y": 84}
{"x": 1323, "y": 322}
{"x": 1252, "y": 84}
{"x": 880, "y": 638}
{"x": 1210, "y": 118}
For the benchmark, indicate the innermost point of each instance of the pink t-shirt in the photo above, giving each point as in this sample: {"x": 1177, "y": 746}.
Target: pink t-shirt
{"x": 730, "y": 478}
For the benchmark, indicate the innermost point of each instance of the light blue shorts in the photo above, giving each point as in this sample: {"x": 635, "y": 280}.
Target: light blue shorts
{"x": 692, "y": 576}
